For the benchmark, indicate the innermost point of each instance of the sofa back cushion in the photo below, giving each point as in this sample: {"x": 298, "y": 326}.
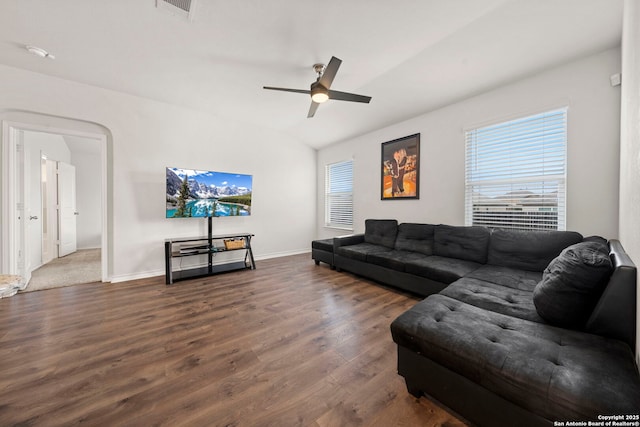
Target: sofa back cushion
{"x": 528, "y": 250}
{"x": 415, "y": 238}
{"x": 381, "y": 232}
{"x": 468, "y": 243}
{"x": 572, "y": 284}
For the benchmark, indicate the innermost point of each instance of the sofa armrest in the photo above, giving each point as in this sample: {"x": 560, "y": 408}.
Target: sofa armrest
{"x": 615, "y": 314}
{"x": 351, "y": 239}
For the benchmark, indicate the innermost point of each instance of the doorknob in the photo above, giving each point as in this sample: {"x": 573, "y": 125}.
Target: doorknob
{"x": 33, "y": 217}
{"x": 76, "y": 213}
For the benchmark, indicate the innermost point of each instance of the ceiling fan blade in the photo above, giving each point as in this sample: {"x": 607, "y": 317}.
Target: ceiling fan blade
{"x": 344, "y": 96}
{"x": 330, "y": 72}
{"x": 283, "y": 89}
{"x": 312, "y": 109}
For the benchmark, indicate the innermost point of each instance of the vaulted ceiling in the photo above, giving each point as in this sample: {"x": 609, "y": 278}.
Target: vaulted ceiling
{"x": 411, "y": 56}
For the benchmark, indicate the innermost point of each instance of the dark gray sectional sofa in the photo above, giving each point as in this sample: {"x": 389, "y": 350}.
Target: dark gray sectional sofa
{"x": 518, "y": 328}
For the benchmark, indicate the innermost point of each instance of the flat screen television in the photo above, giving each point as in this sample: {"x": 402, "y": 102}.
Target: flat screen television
{"x": 200, "y": 194}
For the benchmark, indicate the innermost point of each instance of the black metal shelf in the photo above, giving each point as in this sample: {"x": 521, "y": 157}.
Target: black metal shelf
{"x": 208, "y": 245}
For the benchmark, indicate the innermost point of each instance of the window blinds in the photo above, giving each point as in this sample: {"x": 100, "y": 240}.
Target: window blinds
{"x": 516, "y": 173}
{"x": 339, "y": 195}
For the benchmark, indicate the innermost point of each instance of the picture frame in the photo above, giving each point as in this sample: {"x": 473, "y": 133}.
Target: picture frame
{"x": 400, "y": 168}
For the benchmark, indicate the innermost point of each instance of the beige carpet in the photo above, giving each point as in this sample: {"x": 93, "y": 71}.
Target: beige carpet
{"x": 83, "y": 266}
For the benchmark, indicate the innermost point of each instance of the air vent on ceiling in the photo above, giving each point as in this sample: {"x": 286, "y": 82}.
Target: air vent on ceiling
{"x": 182, "y": 8}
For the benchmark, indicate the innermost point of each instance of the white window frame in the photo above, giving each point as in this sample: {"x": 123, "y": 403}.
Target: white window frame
{"x": 516, "y": 172}
{"x": 338, "y": 190}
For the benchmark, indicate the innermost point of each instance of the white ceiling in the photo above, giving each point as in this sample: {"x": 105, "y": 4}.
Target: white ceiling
{"x": 411, "y": 56}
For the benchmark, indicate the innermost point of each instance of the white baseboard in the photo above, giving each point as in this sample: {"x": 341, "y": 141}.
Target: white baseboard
{"x": 135, "y": 276}
{"x": 281, "y": 254}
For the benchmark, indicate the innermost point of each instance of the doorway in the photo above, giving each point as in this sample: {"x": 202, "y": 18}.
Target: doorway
{"x": 33, "y": 158}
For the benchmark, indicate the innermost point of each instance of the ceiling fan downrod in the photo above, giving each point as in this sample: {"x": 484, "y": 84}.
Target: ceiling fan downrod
{"x": 319, "y": 69}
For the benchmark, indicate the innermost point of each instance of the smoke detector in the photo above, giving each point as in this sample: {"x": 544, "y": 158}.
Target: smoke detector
{"x": 182, "y": 8}
{"x": 38, "y": 51}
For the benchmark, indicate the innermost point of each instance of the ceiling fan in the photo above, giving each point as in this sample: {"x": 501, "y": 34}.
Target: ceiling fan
{"x": 320, "y": 89}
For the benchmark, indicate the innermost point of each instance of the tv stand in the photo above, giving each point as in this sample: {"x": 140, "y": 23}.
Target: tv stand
{"x": 209, "y": 245}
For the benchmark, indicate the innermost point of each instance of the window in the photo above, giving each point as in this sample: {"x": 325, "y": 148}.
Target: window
{"x": 339, "y": 195}
{"x": 516, "y": 173}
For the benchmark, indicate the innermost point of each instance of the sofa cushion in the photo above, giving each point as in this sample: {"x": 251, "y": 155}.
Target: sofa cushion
{"x": 572, "y": 284}
{"x": 415, "y": 238}
{"x": 468, "y": 243}
{"x": 440, "y": 269}
{"x": 559, "y": 374}
{"x": 494, "y": 297}
{"x": 394, "y": 259}
{"x": 381, "y": 232}
{"x": 509, "y": 277}
{"x": 528, "y": 250}
{"x": 360, "y": 251}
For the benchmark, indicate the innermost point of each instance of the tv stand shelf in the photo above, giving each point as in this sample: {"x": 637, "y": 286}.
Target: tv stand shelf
{"x": 209, "y": 246}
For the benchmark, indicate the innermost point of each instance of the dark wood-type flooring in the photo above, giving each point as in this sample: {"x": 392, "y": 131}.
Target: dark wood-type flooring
{"x": 288, "y": 344}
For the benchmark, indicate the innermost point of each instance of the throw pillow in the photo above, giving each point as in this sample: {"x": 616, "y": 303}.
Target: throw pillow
{"x": 572, "y": 284}
{"x": 595, "y": 239}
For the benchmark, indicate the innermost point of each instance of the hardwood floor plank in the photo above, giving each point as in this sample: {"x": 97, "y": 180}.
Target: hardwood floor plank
{"x": 287, "y": 344}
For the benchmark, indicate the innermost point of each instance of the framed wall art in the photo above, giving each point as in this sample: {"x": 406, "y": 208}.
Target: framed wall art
{"x": 400, "y": 178}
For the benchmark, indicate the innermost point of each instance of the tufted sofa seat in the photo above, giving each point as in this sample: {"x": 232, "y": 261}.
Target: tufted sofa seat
{"x": 516, "y": 301}
{"x": 547, "y": 370}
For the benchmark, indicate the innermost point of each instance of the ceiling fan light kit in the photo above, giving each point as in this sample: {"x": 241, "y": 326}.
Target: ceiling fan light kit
{"x": 320, "y": 89}
{"x": 319, "y": 93}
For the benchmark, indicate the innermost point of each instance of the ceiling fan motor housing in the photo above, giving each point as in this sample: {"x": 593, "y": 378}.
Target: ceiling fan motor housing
{"x": 319, "y": 93}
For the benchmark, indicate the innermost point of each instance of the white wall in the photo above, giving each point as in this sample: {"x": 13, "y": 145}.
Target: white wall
{"x": 593, "y": 149}
{"x": 52, "y": 145}
{"x": 630, "y": 141}
{"x": 147, "y": 136}
{"x": 88, "y": 196}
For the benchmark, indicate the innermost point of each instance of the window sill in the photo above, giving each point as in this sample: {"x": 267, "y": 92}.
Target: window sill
{"x": 335, "y": 227}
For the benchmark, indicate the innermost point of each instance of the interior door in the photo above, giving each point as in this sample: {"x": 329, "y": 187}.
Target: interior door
{"x": 66, "y": 209}
{"x": 33, "y": 209}
{"x": 49, "y": 210}
{"x": 21, "y": 242}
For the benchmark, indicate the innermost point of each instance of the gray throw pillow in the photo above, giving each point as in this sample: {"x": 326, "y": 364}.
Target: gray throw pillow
{"x": 572, "y": 283}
